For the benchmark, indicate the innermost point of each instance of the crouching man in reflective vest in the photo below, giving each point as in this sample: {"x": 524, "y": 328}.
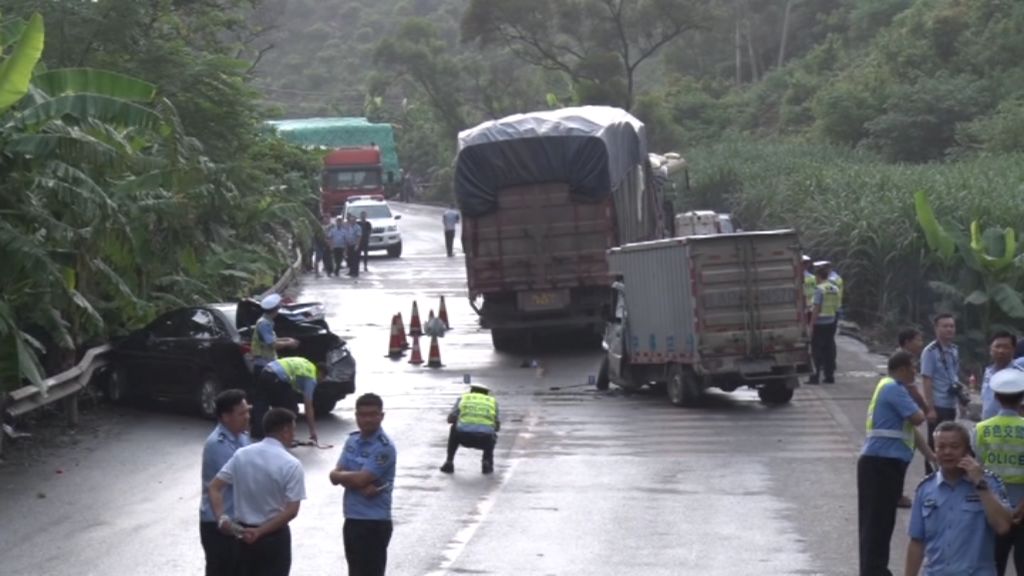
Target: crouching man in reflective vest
{"x": 475, "y": 424}
{"x": 892, "y": 435}
{"x": 999, "y": 443}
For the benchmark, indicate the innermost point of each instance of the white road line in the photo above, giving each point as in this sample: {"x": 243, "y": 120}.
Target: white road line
{"x": 457, "y": 545}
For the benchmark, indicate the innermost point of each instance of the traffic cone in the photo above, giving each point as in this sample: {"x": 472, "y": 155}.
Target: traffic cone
{"x": 401, "y": 332}
{"x": 417, "y": 357}
{"x": 434, "y": 360}
{"x": 414, "y": 323}
{"x": 395, "y": 345}
{"x": 442, "y": 313}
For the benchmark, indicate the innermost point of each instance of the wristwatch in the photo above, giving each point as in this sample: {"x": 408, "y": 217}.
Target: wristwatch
{"x": 981, "y": 484}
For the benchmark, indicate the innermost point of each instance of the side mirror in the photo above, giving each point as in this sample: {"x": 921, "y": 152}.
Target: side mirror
{"x": 398, "y": 216}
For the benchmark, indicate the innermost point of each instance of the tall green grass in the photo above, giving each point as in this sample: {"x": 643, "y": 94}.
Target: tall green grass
{"x": 854, "y": 209}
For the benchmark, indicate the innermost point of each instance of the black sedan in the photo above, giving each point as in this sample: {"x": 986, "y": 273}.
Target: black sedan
{"x": 188, "y": 355}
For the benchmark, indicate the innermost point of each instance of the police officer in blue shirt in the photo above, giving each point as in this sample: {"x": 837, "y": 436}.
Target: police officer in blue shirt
{"x": 891, "y": 436}
{"x": 957, "y": 512}
{"x": 366, "y": 469}
{"x": 230, "y": 434}
{"x": 940, "y": 376}
{"x": 1000, "y": 350}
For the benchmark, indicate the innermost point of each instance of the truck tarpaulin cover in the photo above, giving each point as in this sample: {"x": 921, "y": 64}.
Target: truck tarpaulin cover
{"x": 592, "y": 148}
{"x": 341, "y": 133}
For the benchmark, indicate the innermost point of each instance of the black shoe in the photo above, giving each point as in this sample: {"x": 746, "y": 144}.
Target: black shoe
{"x": 488, "y": 467}
{"x": 812, "y": 380}
{"x": 448, "y": 468}
{"x": 829, "y": 380}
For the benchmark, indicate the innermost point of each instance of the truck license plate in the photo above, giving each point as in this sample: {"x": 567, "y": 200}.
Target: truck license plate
{"x": 543, "y": 300}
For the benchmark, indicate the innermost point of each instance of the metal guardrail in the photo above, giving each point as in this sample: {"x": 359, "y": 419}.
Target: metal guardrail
{"x": 66, "y": 385}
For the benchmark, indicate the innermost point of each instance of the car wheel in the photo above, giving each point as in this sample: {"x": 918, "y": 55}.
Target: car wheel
{"x": 209, "y": 388}
{"x": 117, "y": 386}
{"x": 602, "y": 375}
{"x": 323, "y": 406}
{"x": 395, "y": 251}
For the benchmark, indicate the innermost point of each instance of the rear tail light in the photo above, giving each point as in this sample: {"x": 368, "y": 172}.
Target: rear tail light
{"x": 246, "y": 347}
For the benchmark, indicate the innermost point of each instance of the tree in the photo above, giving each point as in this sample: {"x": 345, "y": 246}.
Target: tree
{"x": 599, "y": 44}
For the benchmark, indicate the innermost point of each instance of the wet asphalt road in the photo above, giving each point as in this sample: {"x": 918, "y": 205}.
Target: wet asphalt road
{"x": 586, "y": 483}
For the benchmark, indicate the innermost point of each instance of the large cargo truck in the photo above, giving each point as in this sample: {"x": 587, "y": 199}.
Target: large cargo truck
{"x": 543, "y": 197}
{"x": 721, "y": 310}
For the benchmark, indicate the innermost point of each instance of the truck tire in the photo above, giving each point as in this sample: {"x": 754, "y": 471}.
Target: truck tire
{"x": 505, "y": 340}
{"x": 778, "y": 393}
{"x": 683, "y": 387}
{"x": 602, "y": 375}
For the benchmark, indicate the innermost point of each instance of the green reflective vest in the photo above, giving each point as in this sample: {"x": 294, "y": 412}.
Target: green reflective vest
{"x": 1000, "y": 443}
{"x": 837, "y": 280}
{"x": 810, "y": 283}
{"x": 258, "y": 348}
{"x": 296, "y": 367}
{"x": 906, "y": 434}
{"x": 829, "y": 300}
{"x": 476, "y": 408}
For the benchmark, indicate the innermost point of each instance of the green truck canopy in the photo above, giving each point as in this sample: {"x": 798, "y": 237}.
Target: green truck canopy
{"x": 341, "y": 133}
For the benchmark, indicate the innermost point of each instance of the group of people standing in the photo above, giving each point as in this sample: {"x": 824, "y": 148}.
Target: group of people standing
{"x": 343, "y": 241}
{"x": 967, "y": 513}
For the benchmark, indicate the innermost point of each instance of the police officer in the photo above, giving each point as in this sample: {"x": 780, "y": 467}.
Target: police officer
{"x": 823, "y": 327}
{"x": 280, "y": 383}
{"x": 835, "y": 279}
{"x": 999, "y": 443}
{"x": 1000, "y": 350}
{"x": 265, "y": 342}
{"x": 891, "y": 436}
{"x": 810, "y": 282}
{"x": 230, "y": 434}
{"x": 366, "y": 469}
{"x": 450, "y": 219}
{"x": 957, "y": 512}
{"x": 474, "y": 424}
{"x": 269, "y": 484}
{"x": 940, "y": 375}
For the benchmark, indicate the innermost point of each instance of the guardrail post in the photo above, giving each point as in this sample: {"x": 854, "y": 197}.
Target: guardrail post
{"x": 71, "y": 409}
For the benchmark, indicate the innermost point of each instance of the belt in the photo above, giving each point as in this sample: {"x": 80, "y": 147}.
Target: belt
{"x": 883, "y": 433}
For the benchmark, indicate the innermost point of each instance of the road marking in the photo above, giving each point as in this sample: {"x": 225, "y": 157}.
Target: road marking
{"x": 457, "y": 545}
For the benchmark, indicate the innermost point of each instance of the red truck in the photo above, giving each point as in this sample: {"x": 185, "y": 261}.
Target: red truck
{"x": 349, "y": 172}
{"x": 543, "y": 197}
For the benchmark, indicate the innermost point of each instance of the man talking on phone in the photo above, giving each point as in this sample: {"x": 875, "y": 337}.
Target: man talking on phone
{"x": 366, "y": 469}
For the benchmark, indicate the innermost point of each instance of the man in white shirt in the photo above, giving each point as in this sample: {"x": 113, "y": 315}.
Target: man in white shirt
{"x": 450, "y": 218}
{"x": 269, "y": 484}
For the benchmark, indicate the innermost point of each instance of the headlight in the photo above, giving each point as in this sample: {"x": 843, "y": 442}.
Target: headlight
{"x": 392, "y": 228}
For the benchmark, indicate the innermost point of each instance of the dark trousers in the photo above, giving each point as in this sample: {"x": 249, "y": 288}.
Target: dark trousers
{"x": 270, "y": 392}
{"x": 879, "y": 483}
{"x": 823, "y": 349}
{"x": 328, "y": 260}
{"x": 945, "y": 415}
{"x": 337, "y": 257}
{"x": 366, "y": 546}
{"x": 271, "y": 555}
{"x": 352, "y": 253}
{"x": 221, "y": 550}
{"x": 364, "y": 255}
{"x": 449, "y": 241}
{"x": 1014, "y": 540}
{"x": 478, "y": 440}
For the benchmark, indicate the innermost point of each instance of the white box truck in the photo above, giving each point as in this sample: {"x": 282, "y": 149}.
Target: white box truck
{"x": 721, "y": 310}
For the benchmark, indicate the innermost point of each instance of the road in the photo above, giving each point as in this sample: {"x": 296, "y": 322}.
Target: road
{"x": 586, "y": 483}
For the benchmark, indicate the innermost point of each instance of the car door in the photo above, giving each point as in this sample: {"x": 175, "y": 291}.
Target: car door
{"x": 189, "y": 353}
{"x": 145, "y": 355}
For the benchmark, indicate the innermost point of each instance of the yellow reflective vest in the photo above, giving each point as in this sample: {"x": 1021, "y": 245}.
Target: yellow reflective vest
{"x": 1000, "y": 444}
{"x": 906, "y": 434}
{"x": 297, "y": 367}
{"x": 258, "y": 347}
{"x": 810, "y": 284}
{"x": 829, "y": 300}
{"x": 480, "y": 409}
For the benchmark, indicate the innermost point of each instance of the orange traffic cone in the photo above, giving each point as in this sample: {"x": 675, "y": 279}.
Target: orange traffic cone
{"x": 442, "y": 313}
{"x": 414, "y": 323}
{"x": 401, "y": 332}
{"x": 417, "y": 357}
{"x": 395, "y": 345}
{"x": 434, "y": 360}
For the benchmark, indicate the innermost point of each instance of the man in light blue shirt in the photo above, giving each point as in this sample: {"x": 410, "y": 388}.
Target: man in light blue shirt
{"x": 1000, "y": 349}
{"x": 940, "y": 375}
{"x": 336, "y": 240}
{"x": 957, "y": 512}
{"x": 353, "y": 234}
{"x": 230, "y": 434}
{"x": 366, "y": 469}
{"x": 450, "y": 219}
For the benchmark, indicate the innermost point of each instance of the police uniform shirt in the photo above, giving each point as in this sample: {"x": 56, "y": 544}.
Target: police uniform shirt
{"x": 266, "y": 477}
{"x": 950, "y": 520}
{"x": 266, "y": 335}
{"x": 375, "y": 455}
{"x": 942, "y": 365}
{"x": 450, "y": 219}
{"x": 220, "y": 445}
{"x": 892, "y": 408}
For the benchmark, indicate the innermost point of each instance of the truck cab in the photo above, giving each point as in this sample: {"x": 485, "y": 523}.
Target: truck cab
{"x": 349, "y": 172}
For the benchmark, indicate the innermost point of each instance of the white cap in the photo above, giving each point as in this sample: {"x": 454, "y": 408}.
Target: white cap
{"x": 485, "y": 388}
{"x": 805, "y": 258}
{"x": 1008, "y": 381}
{"x": 822, "y": 264}
{"x": 271, "y": 302}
